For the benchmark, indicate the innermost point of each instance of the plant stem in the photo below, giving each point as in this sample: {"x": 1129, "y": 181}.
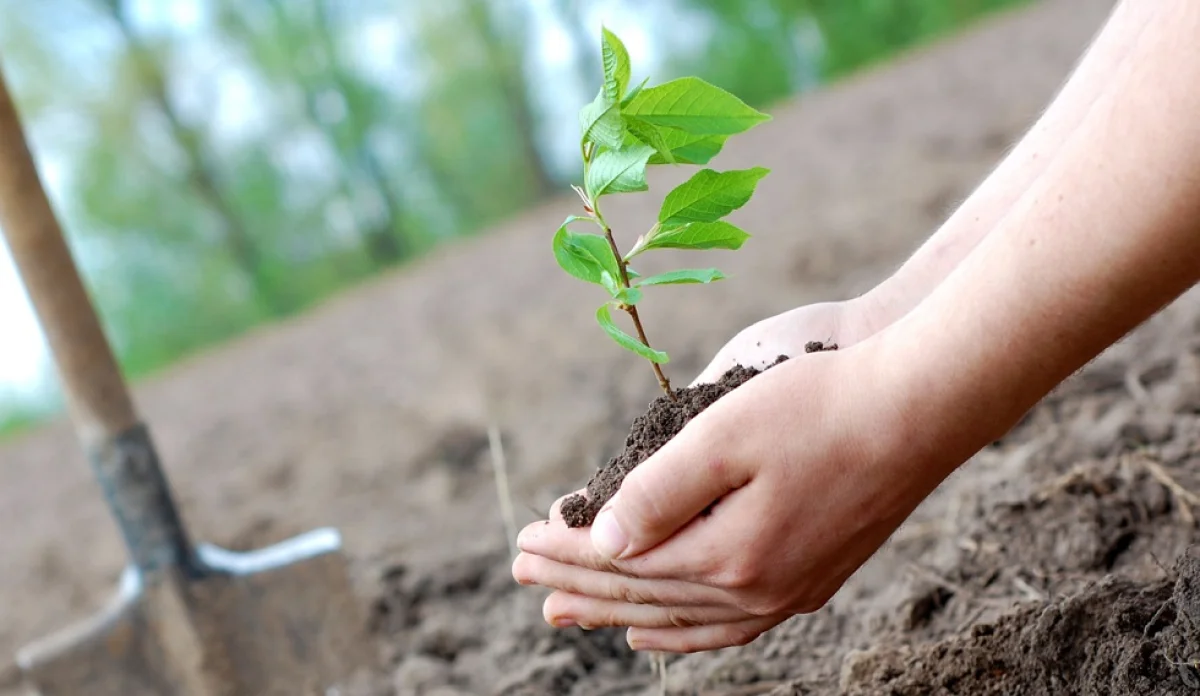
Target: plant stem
{"x": 633, "y": 314}
{"x": 663, "y": 382}
{"x": 662, "y": 378}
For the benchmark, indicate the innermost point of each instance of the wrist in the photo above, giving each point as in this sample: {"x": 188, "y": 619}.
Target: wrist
{"x": 875, "y": 310}
{"x": 953, "y": 389}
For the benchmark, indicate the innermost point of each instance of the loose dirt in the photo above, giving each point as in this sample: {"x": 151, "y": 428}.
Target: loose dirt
{"x": 1055, "y": 562}
{"x": 656, "y": 427}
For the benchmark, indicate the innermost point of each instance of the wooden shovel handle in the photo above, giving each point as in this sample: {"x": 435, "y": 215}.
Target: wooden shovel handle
{"x": 95, "y": 391}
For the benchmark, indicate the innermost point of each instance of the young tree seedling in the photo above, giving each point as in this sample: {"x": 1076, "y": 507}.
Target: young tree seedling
{"x": 626, "y": 129}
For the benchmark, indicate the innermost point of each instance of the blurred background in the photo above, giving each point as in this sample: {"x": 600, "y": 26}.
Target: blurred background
{"x": 219, "y": 164}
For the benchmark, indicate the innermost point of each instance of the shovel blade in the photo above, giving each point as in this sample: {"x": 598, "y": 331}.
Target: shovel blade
{"x": 281, "y": 621}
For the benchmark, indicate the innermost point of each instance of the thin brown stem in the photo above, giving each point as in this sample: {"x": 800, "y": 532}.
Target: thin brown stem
{"x": 633, "y": 314}
{"x": 662, "y": 378}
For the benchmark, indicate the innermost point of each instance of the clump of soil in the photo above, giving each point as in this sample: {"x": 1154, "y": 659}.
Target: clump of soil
{"x": 463, "y": 628}
{"x": 651, "y": 430}
{"x": 655, "y": 428}
{"x": 1116, "y": 636}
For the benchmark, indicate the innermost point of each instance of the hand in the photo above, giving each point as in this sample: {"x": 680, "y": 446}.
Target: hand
{"x": 812, "y": 465}
{"x": 760, "y": 344}
{"x": 811, "y": 468}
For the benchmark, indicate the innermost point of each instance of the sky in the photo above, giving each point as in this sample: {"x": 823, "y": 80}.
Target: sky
{"x": 23, "y": 359}
{"x": 25, "y": 366}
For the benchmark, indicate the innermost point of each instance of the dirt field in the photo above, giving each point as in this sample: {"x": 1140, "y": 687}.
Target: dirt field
{"x": 370, "y": 414}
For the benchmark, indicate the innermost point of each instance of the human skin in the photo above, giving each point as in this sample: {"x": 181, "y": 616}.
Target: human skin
{"x": 851, "y": 321}
{"x": 1103, "y": 235}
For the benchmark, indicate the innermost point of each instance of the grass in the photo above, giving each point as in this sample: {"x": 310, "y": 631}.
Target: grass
{"x": 17, "y": 418}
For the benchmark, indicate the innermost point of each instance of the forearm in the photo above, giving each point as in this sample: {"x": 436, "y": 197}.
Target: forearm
{"x": 1107, "y": 236}
{"x": 1027, "y": 161}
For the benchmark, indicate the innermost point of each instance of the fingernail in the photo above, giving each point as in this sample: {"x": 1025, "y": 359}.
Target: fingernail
{"x": 564, "y": 622}
{"x": 633, "y": 642}
{"x": 608, "y": 538}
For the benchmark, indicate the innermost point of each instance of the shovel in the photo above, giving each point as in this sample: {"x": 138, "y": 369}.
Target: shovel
{"x": 188, "y": 619}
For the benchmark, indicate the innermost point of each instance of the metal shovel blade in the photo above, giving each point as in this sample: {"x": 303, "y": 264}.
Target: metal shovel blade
{"x": 278, "y": 621}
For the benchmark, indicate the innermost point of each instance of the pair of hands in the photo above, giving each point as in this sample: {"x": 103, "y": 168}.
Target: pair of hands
{"x": 813, "y": 464}
{"x": 809, "y": 466}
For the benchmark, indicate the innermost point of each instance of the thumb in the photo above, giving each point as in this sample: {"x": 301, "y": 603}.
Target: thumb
{"x": 665, "y": 492}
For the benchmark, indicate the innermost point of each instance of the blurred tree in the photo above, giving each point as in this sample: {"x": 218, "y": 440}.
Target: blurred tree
{"x": 860, "y": 33}
{"x": 145, "y": 64}
{"x": 467, "y": 114}
{"x": 295, "y": 46}
{"x": 216, "y": 174}
{"x": 586, "y": 43}
{"x": 751, "y": 49}
{"x": 500, "y": 27}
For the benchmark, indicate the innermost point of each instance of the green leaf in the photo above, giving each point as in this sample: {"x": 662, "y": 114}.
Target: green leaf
{"x": 585, "y": 256}
{"x": 687, "y": 148}
{"x": 684, "y": 277}
{"x": 600, "y": 123}
{"x": 709, "y": 196}
{"x": 633, "y": 93}
{"x": 604, "y": 317}
{"x": 624, "y": 295}
{"x": 609, "y": 281}
{"x": 616, "y": 65}
{"x": 652, "y": 136}
{"x": 695, "y": 106}
{"x": 618, "y": 171}
{"x": 698, "y": 235}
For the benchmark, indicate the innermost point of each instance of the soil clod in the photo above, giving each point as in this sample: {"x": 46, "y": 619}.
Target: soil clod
{"x": 661, "y": 422}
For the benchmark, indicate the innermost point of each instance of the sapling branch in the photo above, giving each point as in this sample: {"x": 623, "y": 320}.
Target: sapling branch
{"x": 684, "y": 121}
{"x": 658, "y": 371}
{"x": 631, "y": 309}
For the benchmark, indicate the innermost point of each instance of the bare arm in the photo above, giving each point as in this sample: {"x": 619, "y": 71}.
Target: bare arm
{"x": 851, "y": 322}
{"x": 1107, "y": 236}
{"x": 981, "y": 212}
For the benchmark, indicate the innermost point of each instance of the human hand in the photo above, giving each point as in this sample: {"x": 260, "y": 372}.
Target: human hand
{"x": 811, "y": 467}
{"x": 760, "y": 344}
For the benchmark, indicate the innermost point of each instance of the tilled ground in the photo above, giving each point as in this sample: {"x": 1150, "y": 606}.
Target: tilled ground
{"x": 1053, "y": 563}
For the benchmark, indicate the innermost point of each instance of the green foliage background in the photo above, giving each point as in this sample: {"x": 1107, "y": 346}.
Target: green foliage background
{"x": 352, "y": 150}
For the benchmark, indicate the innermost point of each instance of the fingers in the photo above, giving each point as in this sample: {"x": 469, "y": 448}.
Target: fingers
{"x": 667, "y": 491}
{"x": 529, "y": 569}
{"x": 566, "y": 609}
{"x": 573, "y": 547}
{"x": 701, "y": 638}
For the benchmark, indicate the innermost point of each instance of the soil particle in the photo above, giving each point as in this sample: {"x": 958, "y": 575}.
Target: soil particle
{"x": 465, "y": 624}
{"x": 1114, "y": 637}
{"x": 663, "y": 420}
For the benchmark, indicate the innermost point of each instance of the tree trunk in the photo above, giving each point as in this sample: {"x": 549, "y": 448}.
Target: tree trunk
{"x": 506, "y": 60}
{"x": 240, "y": 245}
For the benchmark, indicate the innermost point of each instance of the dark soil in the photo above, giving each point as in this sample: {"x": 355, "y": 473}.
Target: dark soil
{"x": 662, "y": 421}
{"x": 651, "y": 430}
{"x": 1114, "y": 637}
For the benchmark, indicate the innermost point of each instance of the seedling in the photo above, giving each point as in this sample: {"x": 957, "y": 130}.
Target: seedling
{"x": 624, "y": 130}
